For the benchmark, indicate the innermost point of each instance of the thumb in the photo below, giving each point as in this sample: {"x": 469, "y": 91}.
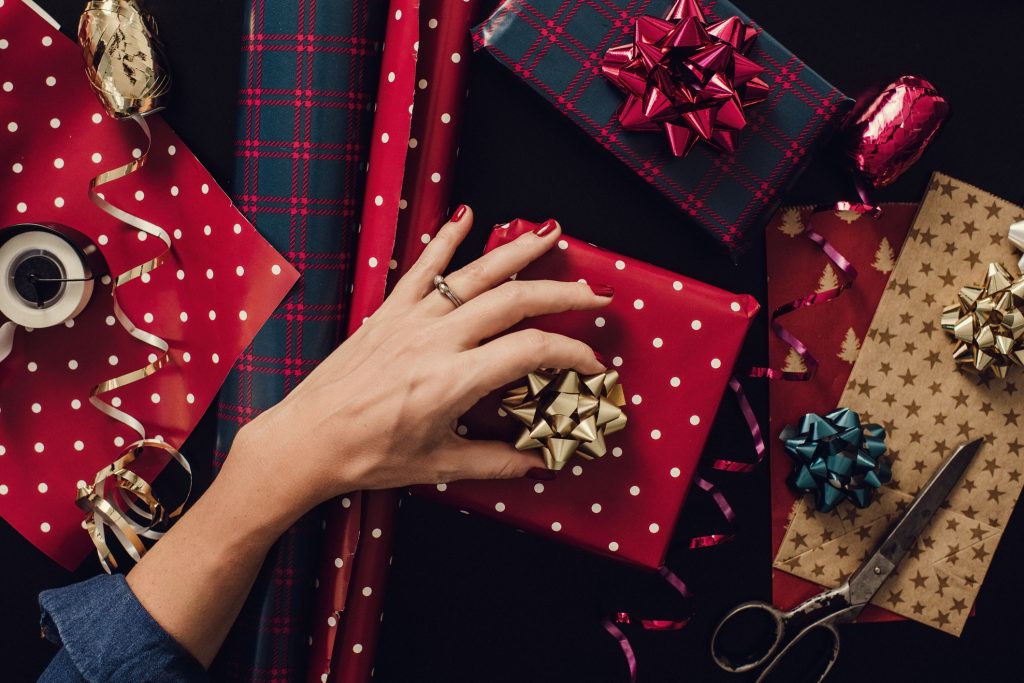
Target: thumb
{"x": 471, "y": 459}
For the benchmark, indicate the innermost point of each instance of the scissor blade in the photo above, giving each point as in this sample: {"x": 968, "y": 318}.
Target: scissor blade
{"x": 866, "y": 581}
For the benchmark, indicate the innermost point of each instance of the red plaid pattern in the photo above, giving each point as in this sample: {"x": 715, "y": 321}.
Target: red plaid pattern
{"x": 305, "y": 106}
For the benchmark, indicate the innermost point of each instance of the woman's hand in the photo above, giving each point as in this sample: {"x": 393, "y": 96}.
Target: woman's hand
{"x": 380, "y": 411}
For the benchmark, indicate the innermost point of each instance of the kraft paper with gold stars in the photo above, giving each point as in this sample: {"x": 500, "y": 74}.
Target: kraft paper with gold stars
{"x": 905, "y": 378}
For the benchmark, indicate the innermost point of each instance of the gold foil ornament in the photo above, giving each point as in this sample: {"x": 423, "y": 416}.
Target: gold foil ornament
{"x": 123, "y": 57}
{"x": 989, "y": 323}
{"x": 565, "y": 413}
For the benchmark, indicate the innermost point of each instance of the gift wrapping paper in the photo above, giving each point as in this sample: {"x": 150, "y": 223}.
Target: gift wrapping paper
{"x": 673, "y": 341}
{"x": 415, "y": 141}
{"x": 221, "y": 282}
{"x": 306, "y": 93}
{"x": 557, "y": 48}
{"x": 796, "y": 267}
{"x": 905, "y": 378}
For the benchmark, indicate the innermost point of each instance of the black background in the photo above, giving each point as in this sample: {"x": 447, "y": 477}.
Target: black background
{"x": 471, "y": 600}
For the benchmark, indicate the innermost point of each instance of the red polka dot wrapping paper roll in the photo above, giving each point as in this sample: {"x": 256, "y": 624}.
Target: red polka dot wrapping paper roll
{"x": 674, "y": 342}
{"x": 421, "y": 94}
{"x": 557, "y": 48}
{"x": 220, "y": 283}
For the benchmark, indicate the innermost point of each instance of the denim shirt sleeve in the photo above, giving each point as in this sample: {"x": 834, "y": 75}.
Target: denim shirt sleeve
{"x": 106, "y": 635}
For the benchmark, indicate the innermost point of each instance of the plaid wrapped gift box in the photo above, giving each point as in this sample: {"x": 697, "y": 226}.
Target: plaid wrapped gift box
{"x": 557, "y": 48}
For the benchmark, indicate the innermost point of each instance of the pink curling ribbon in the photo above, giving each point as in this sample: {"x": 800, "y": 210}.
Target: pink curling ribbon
{"x": 884, "y": 139}
{"x": 726, "y": 465}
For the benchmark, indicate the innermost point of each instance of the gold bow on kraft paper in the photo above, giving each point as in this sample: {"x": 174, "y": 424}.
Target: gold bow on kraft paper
{"x": 565, "y": 413}
{"x": 989, "y": 323}
{"x": 123, "y": 57}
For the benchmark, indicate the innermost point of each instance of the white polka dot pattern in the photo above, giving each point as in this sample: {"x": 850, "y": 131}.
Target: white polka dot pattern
{"x": 672, "y": 340}
{"x": 65, "y": 437}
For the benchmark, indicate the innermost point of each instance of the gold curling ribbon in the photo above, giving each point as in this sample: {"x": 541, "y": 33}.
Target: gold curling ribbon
{"x": 110, "y": 506}
{"x": 123, "y": 57}
{"x": 988, "y": 322}
{"x": 124, "y": 63}
{"x": 565, "y": 413}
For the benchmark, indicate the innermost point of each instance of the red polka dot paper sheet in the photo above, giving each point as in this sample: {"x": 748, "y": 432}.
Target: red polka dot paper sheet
{"x": 218, "y": 286}
{"x": 673, "y": 341}
{"x": 797, "y": 267}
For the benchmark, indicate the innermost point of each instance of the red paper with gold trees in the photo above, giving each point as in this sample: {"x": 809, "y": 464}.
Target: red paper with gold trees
{"x": 673, "y": 341}
{"x": 219, "y": 285}
{"x": 796, "y": 266}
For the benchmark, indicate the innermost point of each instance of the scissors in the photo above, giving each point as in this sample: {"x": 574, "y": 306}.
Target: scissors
{"x": 819, "y": 615}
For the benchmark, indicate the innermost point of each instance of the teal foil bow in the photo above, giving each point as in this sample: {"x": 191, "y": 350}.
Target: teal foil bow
{"x": 837, "y": 458}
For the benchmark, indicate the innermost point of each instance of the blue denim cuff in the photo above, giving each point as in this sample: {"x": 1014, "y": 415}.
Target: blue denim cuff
{"x": 109, "y": 636}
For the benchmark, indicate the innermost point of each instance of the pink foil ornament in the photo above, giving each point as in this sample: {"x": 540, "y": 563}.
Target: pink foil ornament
{"x": 687, "y": 78}
{"x": 890, "y": 135}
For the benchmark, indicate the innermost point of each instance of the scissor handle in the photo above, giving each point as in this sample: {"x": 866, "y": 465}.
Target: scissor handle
{"x": 833, "y": 654}
{"x": 758, "y": 654}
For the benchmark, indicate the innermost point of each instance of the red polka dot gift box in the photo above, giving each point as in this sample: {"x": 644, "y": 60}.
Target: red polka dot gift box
{"x": 219, "y": 284}
{"x": 674, "y": 342}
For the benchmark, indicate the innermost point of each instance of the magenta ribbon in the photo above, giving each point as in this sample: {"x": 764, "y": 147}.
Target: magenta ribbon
{"x": 847, "y": 269}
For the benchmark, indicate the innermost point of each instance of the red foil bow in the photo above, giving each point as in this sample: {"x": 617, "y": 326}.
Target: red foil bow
{"x": 687, "y": 78}
{"x": 893, "y": 131}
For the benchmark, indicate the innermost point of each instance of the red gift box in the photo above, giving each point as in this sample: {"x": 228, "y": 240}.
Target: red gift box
{"x": 674, "y": 342}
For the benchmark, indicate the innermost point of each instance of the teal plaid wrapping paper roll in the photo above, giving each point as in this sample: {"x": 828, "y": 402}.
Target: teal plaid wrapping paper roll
{"x": 557, "y": 46}
{"x": 305, "y": 98}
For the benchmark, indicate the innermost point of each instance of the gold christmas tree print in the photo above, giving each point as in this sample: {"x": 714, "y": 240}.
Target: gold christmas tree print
{"x": 850, "y": 348}
{"x": 848, "y": 216}
{"x": 791, "y": 224}
{"x": 883, "y": 257}
{"x": 794, "y": 363}
{"x": 828, "y": 279}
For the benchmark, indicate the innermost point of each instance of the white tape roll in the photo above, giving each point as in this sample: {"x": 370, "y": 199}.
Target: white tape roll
{"x": 70, "y": 297}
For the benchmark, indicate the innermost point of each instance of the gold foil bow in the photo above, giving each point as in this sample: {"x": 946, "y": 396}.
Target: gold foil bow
{"x": 123, "y": 57}
{"x": 989, "y": 323}
{"x": 564, "y": 413}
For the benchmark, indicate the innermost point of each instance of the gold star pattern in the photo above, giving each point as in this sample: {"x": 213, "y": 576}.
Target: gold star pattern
{"x": 906, "y": 379}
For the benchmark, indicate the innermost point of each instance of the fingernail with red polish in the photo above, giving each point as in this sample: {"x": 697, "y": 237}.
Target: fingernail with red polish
{"x": 541, "y": 474}
{"x": 460, "y": 211}
{"x": 546, "y": 227}
{"x": 600, "y": 359}
{"x": 603, "y": 290}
